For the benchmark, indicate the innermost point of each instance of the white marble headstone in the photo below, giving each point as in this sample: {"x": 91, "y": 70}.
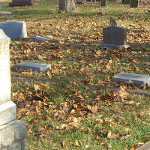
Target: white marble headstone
{"x": 14, "y": 29}
{"x": 5, "y": 80}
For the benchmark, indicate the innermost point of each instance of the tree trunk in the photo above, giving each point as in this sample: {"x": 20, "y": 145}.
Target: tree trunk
{"x": 67, "y": 6}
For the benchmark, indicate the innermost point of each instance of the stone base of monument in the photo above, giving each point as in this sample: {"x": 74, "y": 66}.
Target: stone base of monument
{"x": 22, "y": 3}
{"x": 113, "y": 46}
{"x": 13, "y": 135}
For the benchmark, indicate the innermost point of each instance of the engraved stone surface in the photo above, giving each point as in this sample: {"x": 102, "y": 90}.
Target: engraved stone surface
{"x": 34, "y": 66}
{"x": 5, "y": 12}
{"x": 14, "y": 29}
{"x": 115, "y": 36}
{"x": 5, "y": 80}
{"x": 7, "y": 112}
{"x": 137, "y": 79}
{"x": 39, "y": 38}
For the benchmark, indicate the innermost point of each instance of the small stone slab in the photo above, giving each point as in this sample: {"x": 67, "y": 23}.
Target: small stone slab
{"x": 39, "y": 38}
{"x": 14, "y": 29}
{"x": 137, "y": 79}
{"x": 40, "y": 67}
{"x": 5, "y": 12}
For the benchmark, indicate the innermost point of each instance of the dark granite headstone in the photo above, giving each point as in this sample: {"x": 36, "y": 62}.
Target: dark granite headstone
{"x": 137, "y": 79}
{"x": 103, "y": 3}
{"x": 21, "y": 3}
{"x": 134, "y": 3}
{"x": 114, "y": 36}
{"x": 125, "y": 1}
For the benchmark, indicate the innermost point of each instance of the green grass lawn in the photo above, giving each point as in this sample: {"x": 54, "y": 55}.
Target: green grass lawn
{"x": 76, "y": 109}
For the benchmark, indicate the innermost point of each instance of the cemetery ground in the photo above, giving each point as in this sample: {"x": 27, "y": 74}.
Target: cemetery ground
{"x": 75, "y": 105}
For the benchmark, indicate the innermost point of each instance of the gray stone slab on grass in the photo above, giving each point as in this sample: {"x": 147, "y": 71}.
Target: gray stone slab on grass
{"x": 39, "y": 38}
{"x": 138, "y": 79}
{"x": 5, "y": 12}
{"x": 14, "y": 29}
{"x": 146, "y": 146}
{"x": 34, "y": 66}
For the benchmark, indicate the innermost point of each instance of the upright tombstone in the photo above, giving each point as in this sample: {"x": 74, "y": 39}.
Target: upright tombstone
{"x": 14, "y": 29}
{"x": 114, "y": 36}
{"x": 125, "y": 1}
{"x": 134, "y": 3}
{"x": 103, "y": 3}
{"x": 12, "y": 131}
{"x": 21, "y": 3}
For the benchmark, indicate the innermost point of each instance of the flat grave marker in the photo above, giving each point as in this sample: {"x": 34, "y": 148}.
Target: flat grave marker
{"x": 39, "y": 38}
{"x": 5, "y": 12}
{"x": 14, "y": 29}
{"x": 34, "y": 66}
{"x": 137, "y": 79}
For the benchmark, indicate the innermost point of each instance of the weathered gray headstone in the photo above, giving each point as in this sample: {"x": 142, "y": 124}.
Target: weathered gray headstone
{"x": 134, "y": 3}
{"x": 14, "y": 29}
{"x": 34, "y": 66}
{"x": 12, "y": 131}
{"x": 137, "y": 79}
{"x": 112, "y": 22}
{"x": 114, "y": 36}
{"x": 39, "y": 38}
{"x": 5, "y": 12}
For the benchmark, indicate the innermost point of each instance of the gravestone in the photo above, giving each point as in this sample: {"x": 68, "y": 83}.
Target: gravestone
{"x": 81, "y": 1}
{"x": 12, "y": 131}
{"x": 148, "y": 12}
{"x": 5, "y": 12}
{"x": 103, "y": 3}
{"x": 112, "y": 22}
{"x": 21, "y": 3}
{"x": 34, "y": 66}
{"x": 14, "y": 29}
{"x": 39, "y": 38}
{"x": 137, "y": 79}
{"x": 114, "y": 36}
{"x": 125, "y": 1}
{"x": 134, "y": 3}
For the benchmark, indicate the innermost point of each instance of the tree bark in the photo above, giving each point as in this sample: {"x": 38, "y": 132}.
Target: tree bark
{"x": 67, "y": 6}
